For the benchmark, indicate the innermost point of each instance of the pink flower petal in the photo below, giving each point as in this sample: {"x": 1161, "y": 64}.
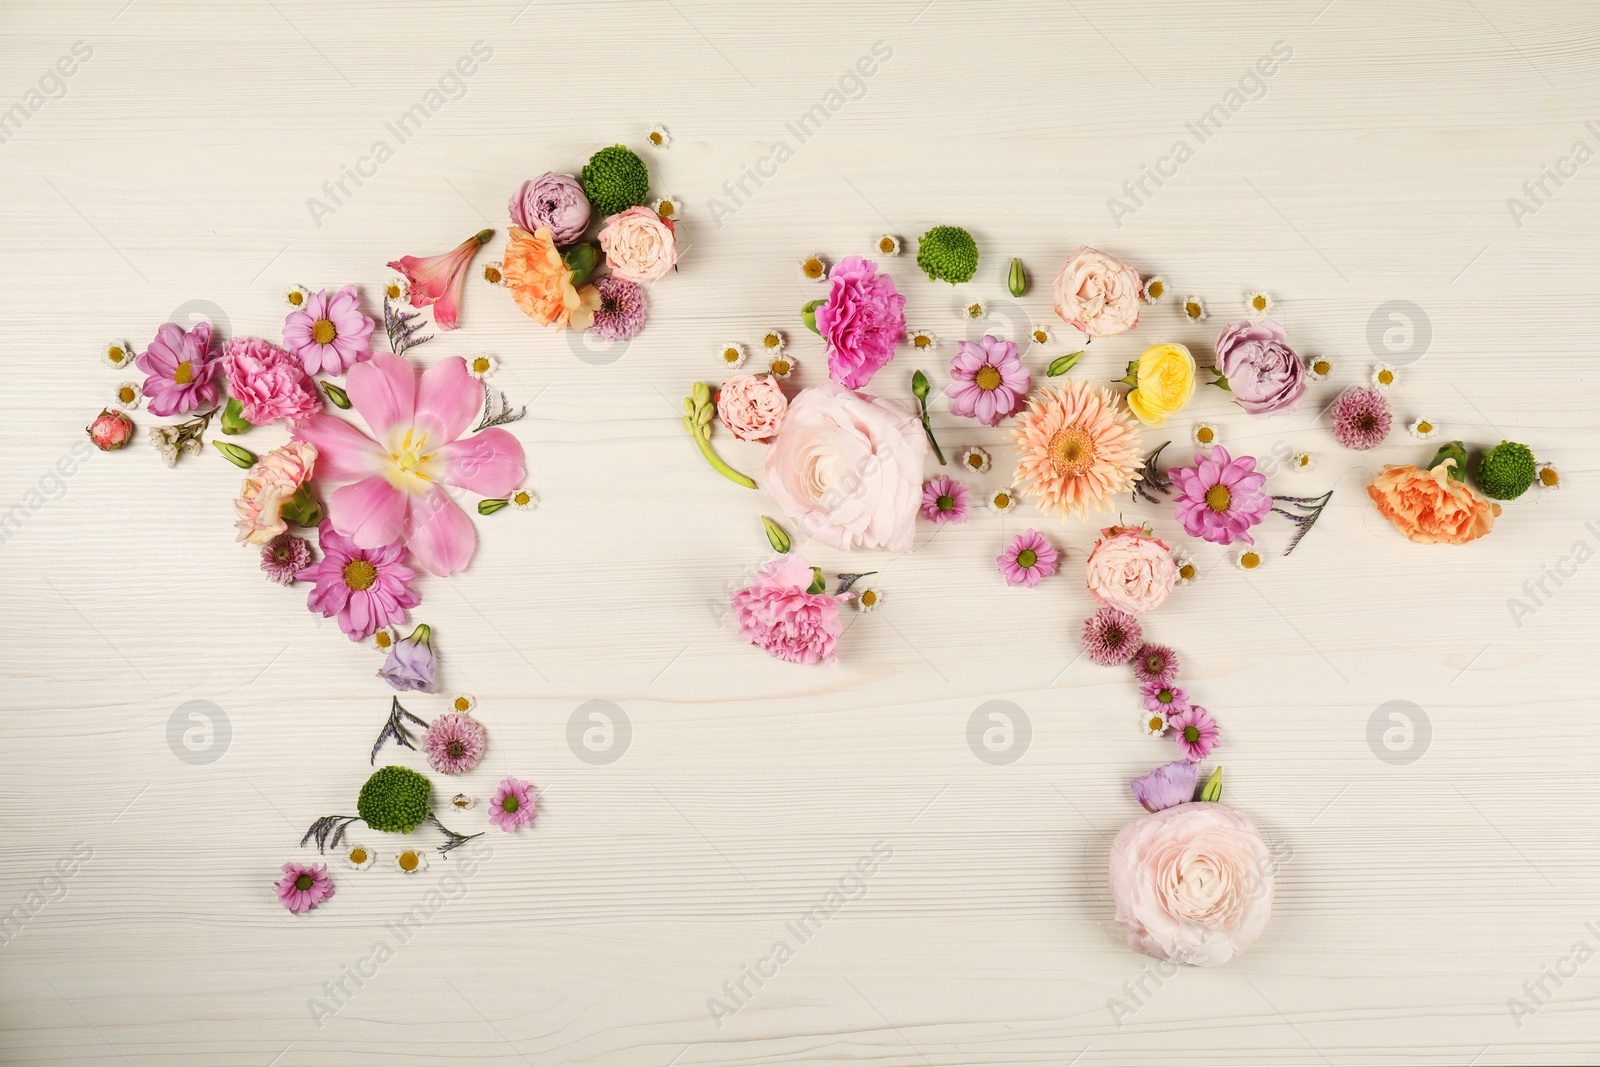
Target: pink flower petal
{"x": 449, "y": 399}
{"x": 371, "y": 512}
{"x": 442, "y": 537}
{"x": 383, "y": 390}
{"x": 344, "y": 453}
{"x": 488, "y": 463}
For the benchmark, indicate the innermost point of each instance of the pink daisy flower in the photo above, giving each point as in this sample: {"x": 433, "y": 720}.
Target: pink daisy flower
{"x": 1168, "y": 699}
{"x": 989, "y": 382}
{"x": 945, "y": 500}
{"x": 329, "y": 335}
{"x": 304, "y": 886}
{"x": 1220, "y": 498}
{"x": 1195, "y": 731}
{"x": 1156, "y": 663}
{"x": 369, "y": 589}
{"x": 513, "y": 805}
{"x": 1028, "y": 558}
{"x": 454, "y": 743}
{"x": 182, "y": 370}
{"x": 1111, "y": 637}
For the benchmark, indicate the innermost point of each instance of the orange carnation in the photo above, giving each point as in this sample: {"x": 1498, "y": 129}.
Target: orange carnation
{"x": 1430, "y": 507}
{"x": 541, "y": 283}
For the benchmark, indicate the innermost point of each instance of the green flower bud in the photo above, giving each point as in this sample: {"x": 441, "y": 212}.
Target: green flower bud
{"x": 819, "y": 584}
{"x": 1211, "y": 792}
{"x": 1451, "y": 450}
{"x": 1506, "y": 471}
{"x": 394, "y": 800}
{"x": 919, "y": 385}
{"x": 302, "y": 509}
{"x": 1016, "y": 280}
{"x": 239, "y": 457}
{"x": 489, "y": 507}
{"x": 233, "y": 420}
{"x": 1061, "y": 364}
{"x": 340, "y": 398}
{"x": 808, "y": 314}
{"x": 776, "y": 536}
{"x": 581, "y": 260}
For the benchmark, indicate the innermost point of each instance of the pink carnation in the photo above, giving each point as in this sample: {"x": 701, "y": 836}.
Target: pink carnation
{"x": 779, "y": 616}
{"x": 862, "y": 320}
{"x": 752, "y": 406}
{"x": 268, "y": 382}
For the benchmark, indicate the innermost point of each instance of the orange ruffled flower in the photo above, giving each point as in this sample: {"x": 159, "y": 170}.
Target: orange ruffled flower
{"x": 1431, "y": 508}
{"x": 1078, "y": 449}
{"x": 541, "y": 283}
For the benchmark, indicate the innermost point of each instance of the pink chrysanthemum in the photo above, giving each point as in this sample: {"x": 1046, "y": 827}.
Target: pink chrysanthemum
{"x": 1027, "y": 559}
{"x": 1220, "y": 498}
{"x": 1168, "y": 699}
{"x": 329, "y": 335}
{"x": 454, "y": 743}
{"x": 1156, "y": 663}
{"x": 988, "y": 380}
{"x": 513, "y": 805}
{"x": 182, "y": 370}
{"x": 304, "y": 886}
{"x": 1111, "y": 637}
{"x": 781, "y": 618}
{"x": 621, "y": 312}
{"x": 367, "y": 588}
{"x": 945, "y": 500}
{"x": 1361, "y": 418}
{"x": 1078, "y": 449}
{"x": 284, "y": 557}
{"x": 1195, "y": 731}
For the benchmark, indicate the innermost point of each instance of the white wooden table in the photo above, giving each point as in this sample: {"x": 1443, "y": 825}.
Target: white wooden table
{"x": 1422, "y": 889}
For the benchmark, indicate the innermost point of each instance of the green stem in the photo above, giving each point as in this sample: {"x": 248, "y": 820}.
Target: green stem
{"x": 927, "y": 428}
{"x": 716, "y": 461}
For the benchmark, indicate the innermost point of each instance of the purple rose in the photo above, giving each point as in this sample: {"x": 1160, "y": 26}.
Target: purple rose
{"x": 553, "y": 200}
{"x": 411, "y": 663}
{"x": 862, "y": 321}
{"x": 1256, "y": 362}
{"x": 1167, "y": 786}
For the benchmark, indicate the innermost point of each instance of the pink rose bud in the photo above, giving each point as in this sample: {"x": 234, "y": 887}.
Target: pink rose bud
{"x": 110, "y": 430}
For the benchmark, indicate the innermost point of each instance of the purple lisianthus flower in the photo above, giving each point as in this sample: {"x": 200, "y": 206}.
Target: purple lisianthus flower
{"x": 1220, "y": 498}
{"x": 1167, "y": 786}
{"x": 1257, "y": 364}
{"x": 411, "y": 664}
{"x": 989, "y": 382}
{"x": 862, "y": 320}
{"x": 554, "y": 200}
{"x": 182, "y": 370}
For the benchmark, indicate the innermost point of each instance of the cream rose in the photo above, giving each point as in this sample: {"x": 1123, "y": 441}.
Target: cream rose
{"x": 847, "y": 468}
{"x": 1192, "y": 884}
{"x": 1130, "y": 570}
{"x": 640, "y": 246}
{"x": 751, "y": 406}
{"x": 1097, "y": 294}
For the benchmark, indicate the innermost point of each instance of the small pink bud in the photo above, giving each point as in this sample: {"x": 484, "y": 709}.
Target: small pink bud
{"x": 110, "y": 430}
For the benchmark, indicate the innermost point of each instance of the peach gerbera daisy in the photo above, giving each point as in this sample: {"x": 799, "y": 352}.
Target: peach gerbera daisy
{"x": 541, "y": 282}
{"x": 1077, "y": 449}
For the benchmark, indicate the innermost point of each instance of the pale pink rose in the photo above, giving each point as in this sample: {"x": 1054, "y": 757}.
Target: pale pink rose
{"x": 752, "y": 406}
{"x": 1192, "y": 883}
{"x": 847, "y": 468}
{"x": 640, "y": 246}
{"x": 1097, "y": 294}
{"x": 1129, "y": 570}
{"x": 275, "y": 478}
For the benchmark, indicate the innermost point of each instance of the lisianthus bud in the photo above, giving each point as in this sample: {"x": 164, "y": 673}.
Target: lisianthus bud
{"x": 239, "y": 457}
{"x": 110, "y": 430}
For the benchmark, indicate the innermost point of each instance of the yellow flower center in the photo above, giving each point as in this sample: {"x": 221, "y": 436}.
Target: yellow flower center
{"x": 1322, "y": 366}
{"x": 886, "y": 245}
{"x": 491, "y": 275}
{"x": 1205, "y": 435}
{"x": 297, "y": 298}
{"x": 1192, "y": 310}
{"x": 666, "y": 210}
{"x": 1249, "y": 561}
{"x": 1155, "y": 289}
{"x": 772, "y": 340}
{"x": 521, "y": 498}
{"x": 1002, "y": 500}
{"x": 975, "y": 461}
{"x": 463, "y": 704}
{"x": 322, "y": 331}
{"x": 1259, "y": 302}
{"x": 409, "y": 861}
{"x": 117, "y": 354}
{"x": 988, "y": 377}
{"x": 1386, "y": 377}
{"x": 1187, "y": 572}
{"x": 359, "y": 575}
{"x": 730, "y": 355}
{"x": 1303, "y": 459}
{"x": 974, "y": 311}
{"x": 1548, "y": 476}
{"x": 412, "y": 463}
{"x": 126, "y": 394}
{"x": 392, "y": 291}
{"x": 1040, "y": 337}
{"x": 812, "y": 267}
{"x": 655, "y": 138}
{"x": 358, "y": 855}
{"x": 921, "y": 340}
{"x": 1424, "y": 426}
{"x": 780, "y": 367}
{"x": 461, "y": 800}
{"x": 1157, "y": 723}
{"x": 183, "y": 374}
{"x": 480, "y": 365}
{"x": 382, "y": 639}
{"x": 868, "y": 598}
{"x": 1072, "y": 452}
{"x": 1218, "y": 497}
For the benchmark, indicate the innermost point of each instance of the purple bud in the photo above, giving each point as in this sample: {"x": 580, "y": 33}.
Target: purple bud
{"x": 1167, "y": 786}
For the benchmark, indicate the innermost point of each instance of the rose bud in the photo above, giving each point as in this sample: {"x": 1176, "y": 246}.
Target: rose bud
{"x": 110, "y": 430}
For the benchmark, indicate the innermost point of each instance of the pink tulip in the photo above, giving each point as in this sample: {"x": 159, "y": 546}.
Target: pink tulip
{"x": 437, "y": 280}
{"x": 396, "y": 490}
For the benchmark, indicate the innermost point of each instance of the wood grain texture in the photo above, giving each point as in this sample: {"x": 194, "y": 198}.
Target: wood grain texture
{"x": 1414, "y": 901}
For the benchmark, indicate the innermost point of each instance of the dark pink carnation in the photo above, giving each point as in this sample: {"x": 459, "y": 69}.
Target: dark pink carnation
{"x": 862, "y": 320}
{"x": 782, "y": 619}
{"x": 268, "y": 382}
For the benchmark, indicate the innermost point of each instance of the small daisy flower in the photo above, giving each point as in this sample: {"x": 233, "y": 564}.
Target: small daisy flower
{"x": 945, "y": 500}
{"x": 1027, "y": 559}
{"x": 463, "y": 703}
{"x": 667, "y": 206}
{"x": 1319, "y": 368}
{"x": 772, "y": 342}
{"x": 658, "y": 137}
{"x": 1303, "y": 461}
{"x": 482, "y": 365}
{"x": 411, "y": 861}
{"x": 1194, "y": 309}
{"x": 732, "y": 355}
{"x": 886, "y": 244}
{"x": 1196, "y": 733}
{"x": 385, "y": 639}
{"x": 781, "y": 367}
{"x": 119, "y": 354}
{"x": 1548, "y": 477}
{"x": 921, "y": 340}
{"x": 1154, "y": 723}
{"x": 395, "y": 288}
{"x": 461, "y": 802}
{"x": 1040, "y": 334}
{"x": 867, "y": 600}
{"x": 814, "y": 268}
{"x": 1383, "y": 376}
{"x": 975, "y": 459}
{"x": 1188, "y": 571}
{"x": 1423, "y": 429}
{"x": 1248, "y": 560}
{"x": 975, "y": 311}
{"x": 1155, "y": 287}
{"x": 1257, "y": 305}
{"x": 358, "y": 857}
{"x": 524, "y": 499}
{"x": 1003, "y": 500}
{"x": 126, "y": 395}
{"x": 296, "y": 296}
{"x": 494, "y": 273}
{"x": 1205, "y": 435}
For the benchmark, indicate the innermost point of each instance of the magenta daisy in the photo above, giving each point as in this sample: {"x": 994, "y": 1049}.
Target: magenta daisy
{"x": 621, "y": 312}
{"x": 513, "y": 805}
{"x": 988, "y": 380}
{"x": 1028, "y": 557}
{"x": 1111, "y": 637}
{"x": 182, "y": 370}
{"x": 1220, "y": 498}
{"x": 1156, "y": 663}
{"x": 284, "y": 557}
{"x": 1195, "y": 731}
{"x": 1361, "y": 418}
{"x": 945, "y": 500}
{"x": 304, "y": 886}
{"x": 454, "y": 743}
{"x": 367, "y": 588}
{"x": 329, "y": 335}
{"x": 1164, "y": 697}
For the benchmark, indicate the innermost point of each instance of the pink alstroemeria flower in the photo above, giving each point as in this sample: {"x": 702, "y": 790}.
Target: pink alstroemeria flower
{"x": 397, "y": 481}
{"x": 437, "y": 280}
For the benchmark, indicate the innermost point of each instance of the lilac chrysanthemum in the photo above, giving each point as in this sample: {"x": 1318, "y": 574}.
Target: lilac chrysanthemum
{"x": 1111, "y": 637}
{"x": 1156, "y": 663}
{"x": 945, "y": 500}
{"x": 284, "y": 557}
{"x": 621, "y": 312}
{"x": 454, "y": 743}
{"x": 1168, "y": 699}
{"x": 1361, "y": 418}
{"x": 1028, "y": 558}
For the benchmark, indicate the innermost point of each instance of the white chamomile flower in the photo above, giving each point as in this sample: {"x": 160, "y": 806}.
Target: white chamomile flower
{"x": 1423, "y": 429}
{"x": 462, "y": 703}
{"x": 1319, "y": 367}
{"x": 975, "y": 311}
{"x": 394, "y": 288}
{"x": 1040, "y": 334}
{"x": 482, "y": 365}
{"x": 1383, "y": 376}
{"x": 814, "y": 268}
{"x": 1257, "y": 305}
{"x": 1194, "y": 309}
{"x": 868, "y": 599}
{"x": 667, "y": 206}
{"x": 1003, "y": 500}
{"x": 1205, "y": 434}
{"x": 1303, "y": 461}
{"x": 494, "y": 273}
{"x": 296, "y": 296}
{"x": 411, "y": 861}
{"x": 921, "y": 340}
{"x": 781, "y": 367}
{"x": 886, "y": 244}
{"x": 772, "y": 342}
{"x": 732, "y": 354}
{"x": 126, "y": 395}
{"x": 975, "y": 459}
{"x": 1547, "y": 477}
{"x": 385, "y": 639}
{"x": 1155, "y": 288}
{"x": 119, "y": 354}
{"x": 524, "y": 499}
{"x": 358, "y": 857}
{"x": 1154, "y": 723}
{"x": 461, "y": 802}
{"x": 1187, "y": 570}
{"x": 658, "y": 136}
{"x": 1248, "y": 560}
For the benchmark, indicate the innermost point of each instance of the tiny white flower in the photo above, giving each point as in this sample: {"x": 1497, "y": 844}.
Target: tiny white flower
{"x": 1154, "y": 723}
{"x": 667, "y": 206}
{"x": 119, "y": 354}
{"x": 411, "y": 861}
{"x": 524, "y": 499}
{"x": 462, "y": 802}
{"x": 1188, "y": 571}
{"x": 886, "y": 244}
{"x": 462, "y": 703}
{"x": 191, "y": 447}
{"x": 731, "y": 354}
{"x": 658, "y": 137}
{"x": 1319, "y": 367}
{"x": 1155, "y": 289}
{"x": 814, "y": 268}
{"x": 1383, "y": 376}
{"x": 1040, "y": 334}
{"x": 772, "y": 342}
{"x": 1303, "y": 461}
{"x": 1205, "y": 434}
{"x": 296, "y": 296}
{"x": 494, "y": 272}
{"x": 1194, "y": 309}
{"x": 1248, "y": 560}
{"x": 358, "y": 857}
{"x": 975, "y": 459}
{"x": 385, "y": 639}
{"x": 126, "y": 395}
{"x": 482, "y": 365}
{"x": 1548, "y": 477}
{"x": 1257, "y": 305}
{"x": 781, "y": 367}
{"x": 1423, "y": 429}
{"x": 975, "y": 311}
{"x": 867, "y": 599}
{"x": 921, "y": 340}
{"x": 394, "y": 288}
{"x": 1003, "y": 499}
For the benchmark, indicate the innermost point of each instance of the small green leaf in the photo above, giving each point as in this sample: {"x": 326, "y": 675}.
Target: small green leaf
{"x": 1132, "y": 380}
{"x": 808, "y": 314}
{"x": 340, "y": 398}
{"x": 1061, "y": 364}
{"x": 1016, "y": 280}
{"x": 1211, "y": 792}
{"x": 776, "y": 536}
{"x": 818, "y": 583}
{"x": 233, "y": 420}
{"x": 1222, "y": 380}
{"x": 688, "y": 406}
{"x": 239, "y": 457}
{"x": 489, "y": 507}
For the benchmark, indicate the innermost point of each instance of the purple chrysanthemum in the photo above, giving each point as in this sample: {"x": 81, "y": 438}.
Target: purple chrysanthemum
{"x": 1360, "y": 418}
{"x": 945, "y": 500}
{"x": 1027, "y": 559}
{"x": 454, "y": 743}
{"x": 513, "y": 805}
{"x": 284, "y": 557}
{"x": 1196, "y": 733}
{"x": 303, "y": 886}
{"x": 621, "y": 312}
{"x": 987, "y": 380}
{"x": 1156, "y": 663}
{"x": 1165, "y": 698}
{"x": 1220, "y": 497}
{"x": 1111, "y": 637}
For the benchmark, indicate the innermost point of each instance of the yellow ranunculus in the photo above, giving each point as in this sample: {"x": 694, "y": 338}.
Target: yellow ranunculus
{"x": 1162, "y": 380}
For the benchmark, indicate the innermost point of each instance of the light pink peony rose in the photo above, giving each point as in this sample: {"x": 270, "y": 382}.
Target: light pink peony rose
{"x": 847, "y": 468}
{"x": 1097, "y": 294}
{"x": 268, "y": 382}
{"x": 752, "y": 406}
{"x": 777, "y": 615}
{"x": 1129, "y": 570}
{"x": 640, "y": 246}
{"x": 1192, "y": 883}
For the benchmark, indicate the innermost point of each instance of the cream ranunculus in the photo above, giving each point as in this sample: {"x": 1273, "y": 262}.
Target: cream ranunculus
{"x": 1097, "y": 294}
{"x": 1163, "y": 382}
{"x": 1130, "y": 570}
